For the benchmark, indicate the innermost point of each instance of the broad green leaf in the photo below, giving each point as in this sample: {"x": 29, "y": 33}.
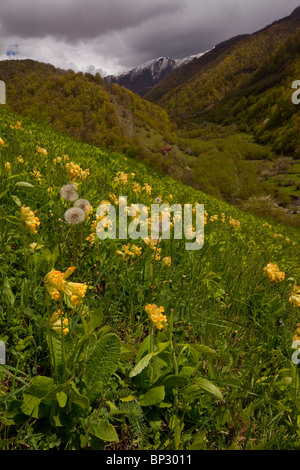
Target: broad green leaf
{"x": 92, "y": 320}
{"x": 154, "y": 396}
{"x": 33, "y": 396}
{"x": 16, "y": 200}
{"x": 79, "y": 399}
{"x": 103, "y": 361}
{"x": 141, "y": 365}
{"x": 104, "y": 430}
{"x": 174, "y": 381}
{"x": 24, "y": 184}
{"x": 61, "y": 399}
{"x": 201, "y": 384}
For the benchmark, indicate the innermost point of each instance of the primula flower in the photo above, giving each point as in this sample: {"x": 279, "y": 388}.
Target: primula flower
{"x": 273, "y": 273}
{"x": 57, "y": 322}
{"x": 1, "y": 141}
{"x": 29, "y": 218}
{"x": 42, "y": 150}
{"x": 128, "y": 250}
{"x": 7, "y": 166}
{"x": 156, "y": 315}
{"x": 56, "y": 284}
{"x": 167, "y": 261}
{"x": 295, "y": 297}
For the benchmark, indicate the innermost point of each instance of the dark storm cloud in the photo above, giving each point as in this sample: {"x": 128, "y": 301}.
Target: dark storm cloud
{"x": 114, "y": 35}
{"x": 75, "y": 20}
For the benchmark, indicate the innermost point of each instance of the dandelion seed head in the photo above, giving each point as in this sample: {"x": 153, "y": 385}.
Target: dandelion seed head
{"x": 74, "y": 216}
{"x": 83, "y": 204}
{"x": 69, "y": 192}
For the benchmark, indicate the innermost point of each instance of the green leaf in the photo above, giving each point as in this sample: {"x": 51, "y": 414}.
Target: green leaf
{"x": 61, "y": 399}
{"x": 24, "y": 184}
{"x": 141, "y": 365}
{"x": 33, "y": 396}
{"x": 23, "y": 343}
{"x": 92, "y": 320}
{"x": 201, "y": 384}
{"x": 79, "y": 399}
{"x": 16, "y": 200}
{"x": 154, "y": 396}
{"x": 8, "y": 292}
{"x": 104, "y": 430}
{"x": 103, "y": 361}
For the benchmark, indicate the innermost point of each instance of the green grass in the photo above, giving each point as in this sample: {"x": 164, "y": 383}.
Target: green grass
{"x": 221, "y": 378}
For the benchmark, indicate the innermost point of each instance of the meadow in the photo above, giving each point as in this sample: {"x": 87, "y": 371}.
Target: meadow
{"x": 137, "y": 344}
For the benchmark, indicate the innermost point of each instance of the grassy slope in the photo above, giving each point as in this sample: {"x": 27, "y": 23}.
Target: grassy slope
{"x": 219, "y": 294}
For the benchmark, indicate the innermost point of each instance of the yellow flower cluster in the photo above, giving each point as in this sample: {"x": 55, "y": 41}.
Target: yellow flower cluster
{"x": 29, "y": 218}
{"x": 273, "y": 273}
{"x": 7, "y": 166}
{"x": 297, "y": 336}
{"x": 1, "y": 142}
{"x": 56, "y": 284}
{"x": 17, "y": 126}
{"x": 20, "y": 159}
{"x": 57, "y": 322}
{"x": 74, "y": 171}
{"x": 267, "y": 225}
{"x": 36, "y": 174}
{"x": 128, "y": 250}
{"x": 213, "y": 218}
{"x": 156, "y": 315}
{"x": 147, "y": 188}
{"x": 295, "y": 297}
{"x": 121, "y": 178}
{"x": 136, "y": 187}
{"x": 234, "y": 223}
{"x": 167, "y": 261}
{"x": 42, "y": 150}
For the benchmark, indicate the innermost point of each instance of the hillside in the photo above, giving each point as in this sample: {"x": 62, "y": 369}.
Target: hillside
{"x": 127, "y": 344}
{"x": 83, "y": 106}
{"x": 196, "y": 87}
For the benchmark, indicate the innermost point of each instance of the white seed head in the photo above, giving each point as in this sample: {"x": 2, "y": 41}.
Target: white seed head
{"x": 74, "y": 216}
{"x": 69, "y": 192}
{"x": 83, "y": 204}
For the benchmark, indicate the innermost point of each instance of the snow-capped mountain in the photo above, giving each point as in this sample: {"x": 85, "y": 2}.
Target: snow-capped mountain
{"x": 142, "y": 78}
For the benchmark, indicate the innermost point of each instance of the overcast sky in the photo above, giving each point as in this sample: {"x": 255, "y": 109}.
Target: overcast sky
{"x": 111, "y": 36}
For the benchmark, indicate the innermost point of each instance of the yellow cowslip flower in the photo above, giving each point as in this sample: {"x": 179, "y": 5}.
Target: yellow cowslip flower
{"x": 147, "y": 188}
{"x": 121, "y": 178}
{"x": 156, "y": 315}
{"x": 7, "y": 166}
{"x": 56, "y": 322}
{"x": 42, "y": 150}
{"x": 273, "y": 273}
{"x": 136, "y": 187}
{"x": 75, "y": 172}
{"x": 128, "y": 250}
{"x": 29, "y": 218}
{"x": 295, "y": 297}
{"x": 20, "y": 159}
{"x": 56, "y": 283}
{"x": 234, "y": 223}
{"x": 1, "y": 142}
{"x": 151, "y": 242}
{"x": 36, "y": 174}
{"x": 167, "y": 261}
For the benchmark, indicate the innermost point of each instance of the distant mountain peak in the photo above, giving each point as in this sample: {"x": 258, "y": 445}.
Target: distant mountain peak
{"x": 144, "y": 77}
{"x": 296, "y": 12}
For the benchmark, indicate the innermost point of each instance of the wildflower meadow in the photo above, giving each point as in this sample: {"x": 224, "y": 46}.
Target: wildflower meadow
{"x": 137, "y": 344}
